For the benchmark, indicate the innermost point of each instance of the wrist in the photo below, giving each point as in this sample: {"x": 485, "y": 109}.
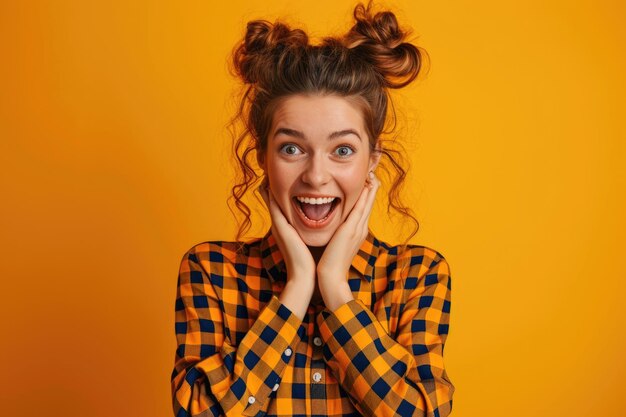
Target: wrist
{"x": 337, "y": 295}
{"x": 302, "y": 278}
{"x": 296, "y": 297}
{"x": 306, "y": 287}
{"x": 301, "y": 273}
{"x": 332, "y": 275}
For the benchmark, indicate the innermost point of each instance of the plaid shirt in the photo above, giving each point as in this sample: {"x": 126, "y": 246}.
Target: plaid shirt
{"x": 242, "y": 353}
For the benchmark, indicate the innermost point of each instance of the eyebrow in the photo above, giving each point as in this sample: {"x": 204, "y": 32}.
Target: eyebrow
{"x": 300, "y": 135}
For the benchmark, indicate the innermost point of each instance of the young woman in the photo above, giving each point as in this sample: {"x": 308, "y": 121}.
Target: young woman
{"x": 318, "y": 317}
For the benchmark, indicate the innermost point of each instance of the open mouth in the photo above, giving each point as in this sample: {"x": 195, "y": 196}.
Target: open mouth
{"x": 316, "y": 211}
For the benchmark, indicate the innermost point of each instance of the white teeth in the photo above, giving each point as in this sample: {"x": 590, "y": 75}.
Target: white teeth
{"x": 308, "y": 200}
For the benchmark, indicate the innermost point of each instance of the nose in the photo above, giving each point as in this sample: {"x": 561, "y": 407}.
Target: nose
{"x": 316, "y": 172}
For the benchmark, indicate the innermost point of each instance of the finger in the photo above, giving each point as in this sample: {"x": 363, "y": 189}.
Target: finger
{"x": 278, "y": 218}
{"x": 356, "y": 213}
{"x": 275, "y": 213}
{"x": 362, "y": 203}
{"x": 267, "y": 195}
{"x": 374, "y": 186}
{"x": 369, "y": 203}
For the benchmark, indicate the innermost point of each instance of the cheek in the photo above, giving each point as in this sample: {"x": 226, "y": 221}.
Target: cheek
{"x": 281, "y": 181}
{"x": 352, "y": 184}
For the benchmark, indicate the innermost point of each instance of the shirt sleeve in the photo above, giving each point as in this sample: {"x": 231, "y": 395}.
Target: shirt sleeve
{"x": 211, "y": 377}
{"x": 404, "y": 376}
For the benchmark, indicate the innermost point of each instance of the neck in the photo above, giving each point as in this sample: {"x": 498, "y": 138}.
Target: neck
{"x": 317, "y": 252}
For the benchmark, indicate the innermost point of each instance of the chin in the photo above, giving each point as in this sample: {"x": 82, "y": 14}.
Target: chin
{"x": 316, "y": 239}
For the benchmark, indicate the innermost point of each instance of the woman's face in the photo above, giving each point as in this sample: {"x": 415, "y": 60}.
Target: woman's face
{"x": 317, "y": 161}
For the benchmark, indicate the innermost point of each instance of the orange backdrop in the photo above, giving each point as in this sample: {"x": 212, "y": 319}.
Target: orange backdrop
{"x": 114, "y": 162}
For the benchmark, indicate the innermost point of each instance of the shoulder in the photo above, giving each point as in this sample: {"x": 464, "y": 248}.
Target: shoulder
{"x": 415, "y": 255}
{"x": 414, "y": 265}
{"x": 205, "y": 254}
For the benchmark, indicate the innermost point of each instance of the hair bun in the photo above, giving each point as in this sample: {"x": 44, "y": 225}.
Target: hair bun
{"x": 380, "y": 40}
{"x": 262, "y": 42}
{"x": 382, "y": 28}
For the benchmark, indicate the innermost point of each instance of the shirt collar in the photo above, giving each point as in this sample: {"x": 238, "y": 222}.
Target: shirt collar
{"x": 363, "y": 262}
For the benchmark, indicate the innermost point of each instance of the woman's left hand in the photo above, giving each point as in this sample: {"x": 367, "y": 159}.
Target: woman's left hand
{"x": 333, "y": 267}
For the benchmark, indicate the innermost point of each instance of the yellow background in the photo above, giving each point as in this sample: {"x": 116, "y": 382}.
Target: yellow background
{"x": 115, "y": 161}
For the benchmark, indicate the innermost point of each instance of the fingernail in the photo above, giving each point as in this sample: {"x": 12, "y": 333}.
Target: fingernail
{"x": 371, "y": 175}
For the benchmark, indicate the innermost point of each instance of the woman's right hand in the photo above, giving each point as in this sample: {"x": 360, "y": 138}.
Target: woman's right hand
{"x": 299, "y": 262}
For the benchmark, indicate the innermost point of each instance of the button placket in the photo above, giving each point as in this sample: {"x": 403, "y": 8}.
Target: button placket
{"x": 317, "y": 344}
{"x": 318, "y": 370}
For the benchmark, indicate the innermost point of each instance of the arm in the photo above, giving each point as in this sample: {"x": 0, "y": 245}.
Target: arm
{"x": 212, "y": 377}
{"x": 387, "y": 377}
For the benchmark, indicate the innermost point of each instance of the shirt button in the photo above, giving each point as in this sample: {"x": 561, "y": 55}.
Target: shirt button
{"x": 317, "y": 341}
{"x": 317, "y": 377}
{"x": 251, "y": 400}
{"x": 275, "y": 388}
{"x": 288, "y": 352}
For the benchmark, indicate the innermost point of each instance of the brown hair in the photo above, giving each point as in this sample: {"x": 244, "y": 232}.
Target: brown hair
{"x": 275, "y": 61}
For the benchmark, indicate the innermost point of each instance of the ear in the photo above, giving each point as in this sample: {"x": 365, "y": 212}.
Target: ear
{"x": 375, "y": 156}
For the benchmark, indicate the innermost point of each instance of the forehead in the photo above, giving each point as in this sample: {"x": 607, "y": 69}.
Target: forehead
{"x": 318, "y": 113}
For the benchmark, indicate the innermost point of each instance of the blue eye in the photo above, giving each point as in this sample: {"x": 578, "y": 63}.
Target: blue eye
{"x": 344, "y": 151}
{"x": 290, "y": 149}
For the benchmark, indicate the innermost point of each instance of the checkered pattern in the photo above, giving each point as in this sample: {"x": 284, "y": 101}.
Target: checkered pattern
{"x": 242, "y": 353}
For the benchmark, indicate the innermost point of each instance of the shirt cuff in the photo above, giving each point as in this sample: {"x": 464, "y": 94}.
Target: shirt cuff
{"x": 346, "y": 331}
{"x": 368, "y": 363}
{"x": 262, "y": 356}
{"x": 333, "y": 324}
